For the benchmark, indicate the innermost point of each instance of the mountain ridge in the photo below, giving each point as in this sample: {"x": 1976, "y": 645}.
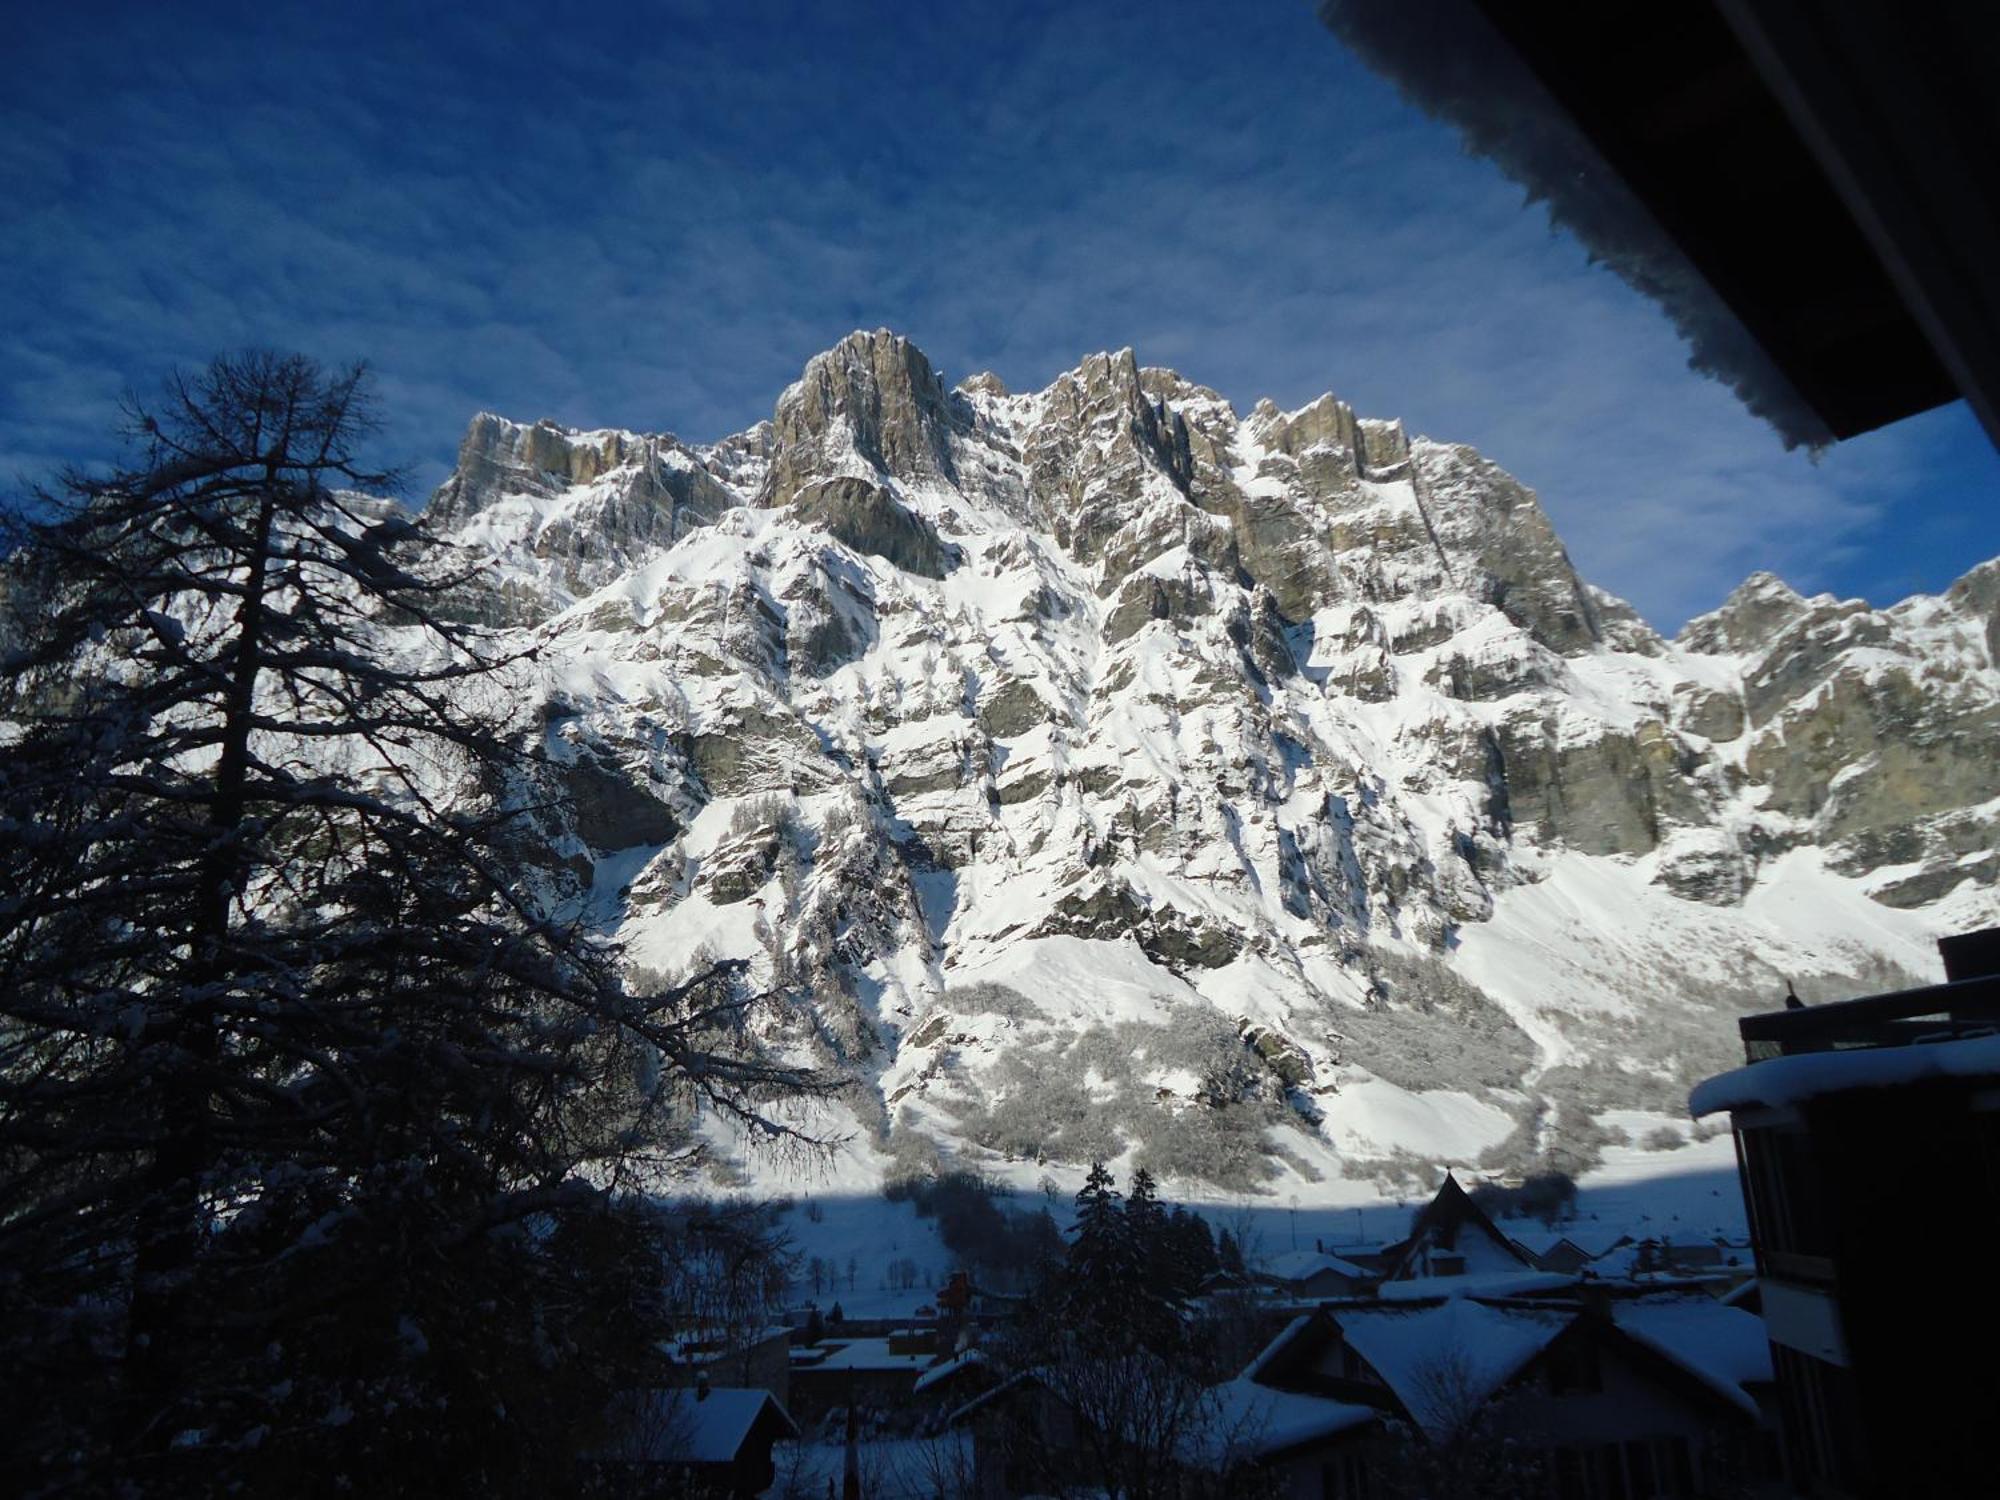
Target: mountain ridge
{"x": 1098, "y": 770}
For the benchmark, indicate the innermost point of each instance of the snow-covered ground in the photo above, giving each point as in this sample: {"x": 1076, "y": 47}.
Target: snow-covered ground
{"x": 1691, "y": 1193}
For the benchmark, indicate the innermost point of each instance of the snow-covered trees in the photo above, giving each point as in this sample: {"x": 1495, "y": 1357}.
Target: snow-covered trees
{"x": 312, "y": 1104}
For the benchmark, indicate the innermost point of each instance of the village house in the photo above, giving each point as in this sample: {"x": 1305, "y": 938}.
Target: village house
{"x": 1305, "y": 1275}
{"x": 1453, "y": 1236}
{"x": 1570, "y": 1248}
{"x": 874, "y": 1373}
{"x": 1602, "y": 1393}
{"x": 712, "y": 1440}
{"x": 756, "y": 1358}
{"x": 1029, "y": 1438}
{"x": 1862, "y": 1128}
{"x": 1656, "y": 1396}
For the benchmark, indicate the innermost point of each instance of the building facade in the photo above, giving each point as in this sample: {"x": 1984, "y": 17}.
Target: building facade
{"x": 1868, "y": 1139}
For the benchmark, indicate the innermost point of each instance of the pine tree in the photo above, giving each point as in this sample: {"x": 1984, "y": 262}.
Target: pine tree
{"x": 1102, "y": 1269}
{"x": 1189, "y": 1256}
{"x": 1228, "y": 1254}
{"x": 315, "y": 1114}
{"x": 1142, "y": 1208}
{"x": 1164, "y": 1284}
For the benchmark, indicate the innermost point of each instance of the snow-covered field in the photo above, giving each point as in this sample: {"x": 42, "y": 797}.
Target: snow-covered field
{"x": 1686, "y": 1194}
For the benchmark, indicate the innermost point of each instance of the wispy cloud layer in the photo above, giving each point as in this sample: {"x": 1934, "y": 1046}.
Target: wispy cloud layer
{"x": 651, "y": 217}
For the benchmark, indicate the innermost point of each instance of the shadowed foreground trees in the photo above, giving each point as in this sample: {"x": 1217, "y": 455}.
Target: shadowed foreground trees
{"x": 1118, "y": 1369}
{"x": 317, "y": 1116}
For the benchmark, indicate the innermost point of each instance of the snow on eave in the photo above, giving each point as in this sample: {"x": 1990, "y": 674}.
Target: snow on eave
{"x": 1447, "y": 59}
{"x": 1277, "y": 1346}
{"x": 685, "y": 1425}
{"x": 1782, "y": 1082}
{"x": 938, "y": 1373}
{"x": 1299, "y": 1265}
{"x": 988, "y": 1398}
{"x": 1476, "y": 1284}
{"x": 1723, "y": 1347}
{"x": 1248, "y": 1420}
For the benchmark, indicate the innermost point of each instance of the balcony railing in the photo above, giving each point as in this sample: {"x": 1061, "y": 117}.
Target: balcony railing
{"x": 1935, "y": 1013}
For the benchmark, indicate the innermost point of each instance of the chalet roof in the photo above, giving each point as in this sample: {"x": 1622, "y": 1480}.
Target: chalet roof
{"x": 1303, "y": 1265}
{"x": 1254, "y": 1422}
{"x": 684, "y": 1426}
{"x": 1020, "y": 1380}
{"x": 1443, "y": 1219}
{"x": 1435, "y": 1356}
{"x": 1724, "y": 1347}
{"x": 859, "y": 1354}
{"x": 1748, "y": 1296}
{"x": 1588, "y": 1240}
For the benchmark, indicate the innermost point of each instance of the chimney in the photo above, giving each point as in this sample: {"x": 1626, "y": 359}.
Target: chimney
{"x": 1971, "y": 955}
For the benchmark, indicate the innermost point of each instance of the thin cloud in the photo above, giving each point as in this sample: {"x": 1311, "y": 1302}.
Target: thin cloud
{"x": 654, "y": 220}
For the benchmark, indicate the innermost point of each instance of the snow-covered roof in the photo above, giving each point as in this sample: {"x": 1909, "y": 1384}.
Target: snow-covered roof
{"x": 1256, "y": 1368}
{"x": 1482, "y": 1284}
{"x": 1433, "y": 1357}
{"x": 1739, "y": 1295}
{"x": 1591, "y": 1239}
{"x": 939, "y": 1373}
{"x": 1302, "y": 1265}
{"x": 704, "y": 1348}
{"x": 1250, "y": 1421}
{"x": 867, "y": 1354}
{"x": 1653, "y": 1265}
{"x": 1724, "y": 1347}
{"x": 683, "y": 1426}
{"x": 1779, "y": 1082}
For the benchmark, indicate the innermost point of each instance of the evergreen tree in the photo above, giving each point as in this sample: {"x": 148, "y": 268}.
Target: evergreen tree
{"x": 1228, "y": 1254}
{"x": 1143, "y": 1211}
{"x": 1101, "y": 1271}
{"x": 1189, "y": 1254}
{"x": 1159, "y": 1293}
{"x": 315, "y": 1114}
{"x": 1151, "y": 1228}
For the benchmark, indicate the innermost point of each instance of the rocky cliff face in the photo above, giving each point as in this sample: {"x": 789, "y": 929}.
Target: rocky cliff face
{"x": 1098, "y": 770}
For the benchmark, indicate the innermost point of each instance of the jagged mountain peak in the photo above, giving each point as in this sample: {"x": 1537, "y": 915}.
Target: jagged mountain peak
{"x": 1756, "y": 609}
{"x": 872, "y": 403}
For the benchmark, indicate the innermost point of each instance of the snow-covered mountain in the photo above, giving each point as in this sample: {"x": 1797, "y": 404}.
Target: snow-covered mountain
{"x": 1098, "y": 770}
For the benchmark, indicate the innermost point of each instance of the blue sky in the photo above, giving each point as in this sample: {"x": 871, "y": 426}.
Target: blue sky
{"x": 650, "y": 216}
